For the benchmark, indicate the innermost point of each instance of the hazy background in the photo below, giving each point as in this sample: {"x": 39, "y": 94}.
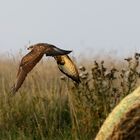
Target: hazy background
{"x": 90, "y": 26}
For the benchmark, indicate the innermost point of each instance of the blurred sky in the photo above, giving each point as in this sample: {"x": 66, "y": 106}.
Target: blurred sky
{"x": 81, "y": 25}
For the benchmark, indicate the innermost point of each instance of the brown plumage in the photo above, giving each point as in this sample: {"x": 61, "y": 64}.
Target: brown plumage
{"x": 29, "y": 61}
{"x": 67, "y": 66}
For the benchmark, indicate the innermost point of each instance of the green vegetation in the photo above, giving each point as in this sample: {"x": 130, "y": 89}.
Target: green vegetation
{"x": 52, "y": 107}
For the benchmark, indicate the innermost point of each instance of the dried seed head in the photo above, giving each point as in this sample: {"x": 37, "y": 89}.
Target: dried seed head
{"x": 121, "y": 75}
{"x": 114, "y": 69}
{"x": 128, "y": 59}
{"x": 110, "y": 75}
{"x": 63, "y": 77}
{"x": 107, "y": 73}
{"x": 82, "y": 68}
{"x": 95, "y": 66}
{"x": 137, "y": 55}
{"x": 85, "y": 73}
{"x": 102, "y": 62}
{"x": 104, "y": 69}
{"x": 123, "y": 71}
{"x": 115, "y": 90}
{"x": 136, "y": 64}
{"x": 83, "y": 76}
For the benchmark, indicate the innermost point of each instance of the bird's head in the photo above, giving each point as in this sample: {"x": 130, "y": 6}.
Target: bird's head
{"x": 30, "y": 48}
{"x": 37, "y": 47}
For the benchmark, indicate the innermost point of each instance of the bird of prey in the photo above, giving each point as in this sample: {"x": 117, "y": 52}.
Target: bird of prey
{"x": 29, "y": 61}
{"x": 67, "y": 66}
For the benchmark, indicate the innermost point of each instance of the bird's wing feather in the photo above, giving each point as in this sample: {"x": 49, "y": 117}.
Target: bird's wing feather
{"x": 20, "y": 79}
{"x": 27, "y": 64}
{"x": 67, "y": 66}
{"x": 30, "y": 60}
{"x": 30, "y": 57}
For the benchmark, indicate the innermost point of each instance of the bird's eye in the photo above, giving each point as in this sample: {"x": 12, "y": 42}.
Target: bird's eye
{"x": 29, "y": 48}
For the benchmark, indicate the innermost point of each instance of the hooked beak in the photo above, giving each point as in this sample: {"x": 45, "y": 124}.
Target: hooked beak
{"x": 57, "y": 51}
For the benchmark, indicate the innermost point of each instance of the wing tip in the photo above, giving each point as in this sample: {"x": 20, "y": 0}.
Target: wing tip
{"x": 77, "y": 80}
{"x": 13, "y": 90}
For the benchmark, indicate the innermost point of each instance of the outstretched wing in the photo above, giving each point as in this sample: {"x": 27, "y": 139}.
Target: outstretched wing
{"x": 67, "y": 66}
{"x": 19, "y": 81}
{"x": 27, "y": 64}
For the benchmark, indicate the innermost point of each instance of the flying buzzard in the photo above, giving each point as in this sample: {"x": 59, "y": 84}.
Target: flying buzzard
{"x": 67, "y": 66}
{"x": 32, "y": 58}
